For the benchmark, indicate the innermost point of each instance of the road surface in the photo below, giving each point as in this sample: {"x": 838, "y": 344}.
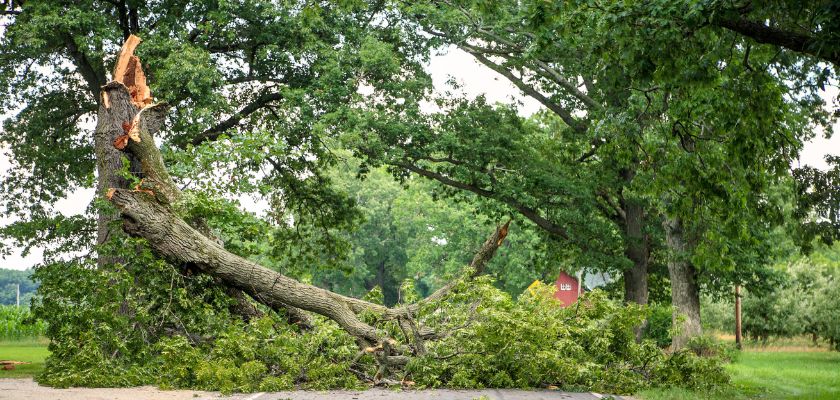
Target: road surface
{"x": 26, "y": 389}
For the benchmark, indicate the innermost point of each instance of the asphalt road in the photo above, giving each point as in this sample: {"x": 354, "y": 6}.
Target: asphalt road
{"x": 26, "y": 389}
{"x": 439, "y": 394}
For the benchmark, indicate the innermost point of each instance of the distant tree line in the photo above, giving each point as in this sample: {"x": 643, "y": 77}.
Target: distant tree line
{"x": 9, "y": 279}
{"x": 803, "y": 301}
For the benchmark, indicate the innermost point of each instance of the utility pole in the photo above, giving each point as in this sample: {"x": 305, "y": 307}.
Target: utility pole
{"x": 738, "y": 316}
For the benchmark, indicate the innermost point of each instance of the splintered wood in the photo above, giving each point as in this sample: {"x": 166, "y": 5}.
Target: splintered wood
{"x": 503, "y": 233}
{"x": 129, "y": 72}
{"x": 130, "y": 131}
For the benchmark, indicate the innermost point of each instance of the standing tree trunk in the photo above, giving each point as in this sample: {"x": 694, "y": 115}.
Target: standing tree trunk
{"x": 637, "y": 250}
{"x": 738, "y": 316}
{"x": 112, "y": 119}
{"x": 685, "y": 293}
{"x": 118, "y": 123}
{"x": 637, "y": 244}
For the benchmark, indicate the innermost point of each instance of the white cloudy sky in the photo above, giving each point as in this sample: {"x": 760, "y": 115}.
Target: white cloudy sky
{"x": 475, "y": 79}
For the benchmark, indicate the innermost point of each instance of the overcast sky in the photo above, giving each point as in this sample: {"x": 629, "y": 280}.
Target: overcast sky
{"x": 475, "y": 79}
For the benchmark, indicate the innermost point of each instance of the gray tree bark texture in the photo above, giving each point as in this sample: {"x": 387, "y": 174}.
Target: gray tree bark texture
{"x": 685, "y": 292}
{"x": 108, "y": 159}
{"x": 637, "y": 250}
{"x": 637, "y": 245}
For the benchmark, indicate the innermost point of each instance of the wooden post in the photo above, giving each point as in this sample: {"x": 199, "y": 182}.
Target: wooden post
{"x": 738, "y": 316}
{"x": 17, "y": 295}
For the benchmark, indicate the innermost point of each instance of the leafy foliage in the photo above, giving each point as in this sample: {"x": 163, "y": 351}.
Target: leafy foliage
{"x": 264, "y": 93}
{"x": 491, "y": 341}
{"x": 803, "y": 301}
{"x": 406, "y": 233}
{"x": 532, "y": 342}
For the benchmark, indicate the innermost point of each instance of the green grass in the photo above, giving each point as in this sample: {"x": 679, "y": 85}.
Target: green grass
{"x": 770, "y": 376}
{"x": 33, "y": 351}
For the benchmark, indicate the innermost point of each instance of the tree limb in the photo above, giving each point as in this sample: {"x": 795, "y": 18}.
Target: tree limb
{"x": 761, "y": 33}
{"x": 529, "y": 90}
{"x": 528, "y": 212}
{"x": 214, "y": 132}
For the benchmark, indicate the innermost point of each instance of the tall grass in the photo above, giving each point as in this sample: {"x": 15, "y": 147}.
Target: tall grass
{"x": 16, "y": 323}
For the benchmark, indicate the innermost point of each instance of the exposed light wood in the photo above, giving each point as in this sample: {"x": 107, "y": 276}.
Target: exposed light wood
{"x": 129, "y": 72}
{"x": 123, "y": 58}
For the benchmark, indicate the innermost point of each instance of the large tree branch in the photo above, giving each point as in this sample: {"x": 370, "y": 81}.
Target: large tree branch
{"x": 173, "y": 239}
{"x": 543, "y": 69}
{"x": 527, "y": 212}
{"x": 548, "y": 72}
{"x": 94, "y": 75}
{"x": 529, "y": 90}
{"x": 214, "y": 132}
{"x": 798, "y": 42}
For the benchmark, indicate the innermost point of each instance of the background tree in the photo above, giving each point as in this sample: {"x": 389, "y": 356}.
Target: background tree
{"x": 11, "y": 281}
{"x": 667, "y": 138}
{"x": 407, "y": 234}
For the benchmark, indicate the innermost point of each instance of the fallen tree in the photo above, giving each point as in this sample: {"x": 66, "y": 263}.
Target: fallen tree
{"x": 174, "y": 323}
{"x": 147, "y": 212}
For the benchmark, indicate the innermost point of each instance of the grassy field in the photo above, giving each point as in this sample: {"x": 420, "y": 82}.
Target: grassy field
{"x": 33, "y": 351}
{"x": 772, "y": 375}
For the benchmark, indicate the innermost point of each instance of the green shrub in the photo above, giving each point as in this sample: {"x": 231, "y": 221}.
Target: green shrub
{"x": 178, "y": 333}
{"x": 709, "y": 346}
{"x": 532, "y": 342}
{"x": 658, "y": 326}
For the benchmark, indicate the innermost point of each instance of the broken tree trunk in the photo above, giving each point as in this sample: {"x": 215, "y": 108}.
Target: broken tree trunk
{"x": 124, "y": 120}
{"x": 146, "y": 212}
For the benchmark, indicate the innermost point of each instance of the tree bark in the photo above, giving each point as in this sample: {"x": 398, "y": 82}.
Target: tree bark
{"x": 685, "y": 293}
{"x": 124, "y": 121}
{"x": 171, "y": 238}
{"x": 804, "y": 43}
{"x": 109, "y": 126}
{"x": 637, "y": 249}
{"x": 738, "y": 317}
